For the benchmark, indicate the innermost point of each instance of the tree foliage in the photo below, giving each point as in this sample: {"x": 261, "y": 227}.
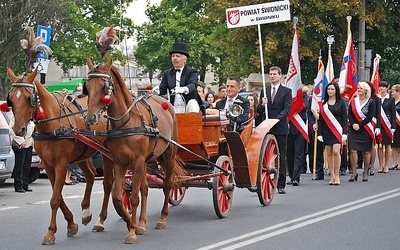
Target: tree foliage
{"x": 74, "y": 24}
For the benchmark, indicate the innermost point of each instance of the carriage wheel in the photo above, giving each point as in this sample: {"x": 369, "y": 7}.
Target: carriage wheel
{"x": 176, "y": 195}
{"x": 223, "y": 187}
{"x": 268, "y": 170}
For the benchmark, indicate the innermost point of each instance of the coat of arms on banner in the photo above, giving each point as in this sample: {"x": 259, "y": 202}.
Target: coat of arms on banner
{"x": 233, "y": 17}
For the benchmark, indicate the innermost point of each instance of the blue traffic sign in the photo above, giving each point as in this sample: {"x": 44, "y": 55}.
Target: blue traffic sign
{"x": 44, "y": 32}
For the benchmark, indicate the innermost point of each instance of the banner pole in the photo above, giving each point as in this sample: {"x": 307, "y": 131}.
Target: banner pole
{"x": 262, "y": 67}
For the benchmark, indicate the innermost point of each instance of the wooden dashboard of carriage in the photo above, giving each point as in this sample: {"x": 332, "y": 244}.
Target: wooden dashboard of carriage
{"x": 200, "y": 134}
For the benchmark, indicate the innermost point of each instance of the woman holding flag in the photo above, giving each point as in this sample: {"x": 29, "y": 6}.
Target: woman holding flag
{"x": 396, "y": 139}
{"x": 332, "y": 129}
{"x": 388, "y": 126}
{"x": 361, "y": 131}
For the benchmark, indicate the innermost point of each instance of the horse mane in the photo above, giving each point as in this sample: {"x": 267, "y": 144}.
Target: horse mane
{"x": 120, "y": 81}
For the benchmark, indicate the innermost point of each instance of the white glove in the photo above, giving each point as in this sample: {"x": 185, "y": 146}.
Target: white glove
{"x": 377, "y": 131}
{"x": 344, "y": 138}
{"x": 181, "y": 90}
{"x": 392, "y": 130}
{"x": 319, "y": 138}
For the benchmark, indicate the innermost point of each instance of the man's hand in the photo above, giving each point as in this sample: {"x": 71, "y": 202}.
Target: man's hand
{"x": 344, "y": 138}
{"x": 181, "y": 90}
{"x": 264, "y": 101}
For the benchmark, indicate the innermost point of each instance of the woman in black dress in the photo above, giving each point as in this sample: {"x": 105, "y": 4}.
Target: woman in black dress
{"x": 388, "y": 114}
{"x": 396, "y": 140}
{"x": 361, "y": 131}
{"x": 332, "y": 129}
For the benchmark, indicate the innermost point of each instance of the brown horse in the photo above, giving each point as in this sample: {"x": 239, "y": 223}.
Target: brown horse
{"x": 56, "y": 147}
{"x": 134, "y": 138}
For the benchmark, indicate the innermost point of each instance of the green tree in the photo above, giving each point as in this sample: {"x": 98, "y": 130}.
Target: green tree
{"x": 74, "y": 24}
{"x": 174, "y": 21}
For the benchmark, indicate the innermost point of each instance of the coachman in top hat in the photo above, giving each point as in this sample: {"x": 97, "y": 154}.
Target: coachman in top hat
{"x": 181, "y": 81}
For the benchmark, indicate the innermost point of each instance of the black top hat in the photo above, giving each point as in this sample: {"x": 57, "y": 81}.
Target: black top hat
{"x": 180, "y": 48}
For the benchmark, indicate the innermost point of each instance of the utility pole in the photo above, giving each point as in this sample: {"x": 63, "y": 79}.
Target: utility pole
{"x": 361, "y": 43}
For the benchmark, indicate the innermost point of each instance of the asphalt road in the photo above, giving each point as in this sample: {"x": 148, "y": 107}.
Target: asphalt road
{"x": 314, "y": 215}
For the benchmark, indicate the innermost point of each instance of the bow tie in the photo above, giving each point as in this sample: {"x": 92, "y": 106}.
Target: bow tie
{"x": 178, "y": 70}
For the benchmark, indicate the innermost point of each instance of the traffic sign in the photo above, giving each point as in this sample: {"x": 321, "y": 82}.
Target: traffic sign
{"x": 44, "y": 32}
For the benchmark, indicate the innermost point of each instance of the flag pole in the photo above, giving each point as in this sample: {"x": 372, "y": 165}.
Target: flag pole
{"x": 262, "y": 67}
{"x": 316, "y": 116}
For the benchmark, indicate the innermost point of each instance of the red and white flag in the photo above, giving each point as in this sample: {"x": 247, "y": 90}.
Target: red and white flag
{"x": 318, "y": 90}
{"x": 376, "y": 76}
{"x": 348, "y": 79}
{"x": 293, "y": 81}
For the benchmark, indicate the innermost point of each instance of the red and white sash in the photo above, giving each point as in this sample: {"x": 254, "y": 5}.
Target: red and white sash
{"x": 398, "y": 119}
{"x": 331, "y": 121}
{"x": 386, "y": 124}
{"x": 356, "y": 108}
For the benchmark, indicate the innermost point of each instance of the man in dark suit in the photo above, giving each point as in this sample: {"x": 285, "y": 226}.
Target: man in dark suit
{"x": 278, "y": 100}
{"x": 233, "y": 97}
{"x": 181, "y": 81}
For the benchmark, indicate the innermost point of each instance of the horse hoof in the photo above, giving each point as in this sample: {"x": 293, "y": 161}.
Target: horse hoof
{"x": 141, "y": 231}
{"x": 86, "y": 216}
{"x": 86, "y": 220}
{"x": 48, "y": 240}
{"x": 161, "y": 225}
{"x": 98, "y": 228}
{"x": 130, "y": 239}
{"x": 72, "y": 231}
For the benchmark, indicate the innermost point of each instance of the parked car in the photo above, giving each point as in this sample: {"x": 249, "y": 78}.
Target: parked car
{"x": 36, "y": 165}
{"x": 7, "y": 157}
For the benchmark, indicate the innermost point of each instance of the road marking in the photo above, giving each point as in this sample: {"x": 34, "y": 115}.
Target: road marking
{"x": 307, "y": 220}
{"x": 8, "y": 208}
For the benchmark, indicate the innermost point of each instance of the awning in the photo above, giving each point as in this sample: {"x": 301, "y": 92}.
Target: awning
{"x": 69, "y": 85}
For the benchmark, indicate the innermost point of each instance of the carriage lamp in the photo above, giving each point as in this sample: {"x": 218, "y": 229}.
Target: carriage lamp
{"x": 165, "y": 105}
{"x": 40, "y": 114}
{"x": 106, "y": 99}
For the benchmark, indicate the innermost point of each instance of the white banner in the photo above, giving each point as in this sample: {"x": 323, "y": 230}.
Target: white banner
{"x": 258, "y": 14}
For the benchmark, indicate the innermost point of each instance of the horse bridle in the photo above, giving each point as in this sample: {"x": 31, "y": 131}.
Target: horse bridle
{"x": 33, "y": 97}
{"x": 108, "y": 83}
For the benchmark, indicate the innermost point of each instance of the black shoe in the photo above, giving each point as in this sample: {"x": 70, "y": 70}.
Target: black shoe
{"x": 289, "y": 182}
{"x": 252, "y": 189}
{"x": 295, "y": 183}
{"x": 281, "y": 191}
{"x": 317, "y": 178}
{"x": 394, "y": 168}
{"x": 20, "y": 190}
{"x": 28, "y": 189}
{"x": 342, "y": 172}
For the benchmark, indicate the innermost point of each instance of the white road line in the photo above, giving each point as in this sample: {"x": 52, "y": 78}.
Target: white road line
{"x": 8, "y": 208}
{"x": 309, "y": 219}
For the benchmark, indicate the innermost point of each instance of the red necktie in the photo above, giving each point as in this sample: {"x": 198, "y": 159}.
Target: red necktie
{"x": 273, "y": 94}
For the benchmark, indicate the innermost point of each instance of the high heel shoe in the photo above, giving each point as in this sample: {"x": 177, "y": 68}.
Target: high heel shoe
{"x": 394, "y": 168}
{"x": 354, "y": 179}
{"x": 365, "y": 180}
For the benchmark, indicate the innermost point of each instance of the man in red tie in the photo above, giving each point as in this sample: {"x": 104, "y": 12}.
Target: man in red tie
{"x": 278, "y": 100}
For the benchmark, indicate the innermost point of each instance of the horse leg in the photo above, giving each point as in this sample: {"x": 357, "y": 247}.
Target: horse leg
{"x": 107, "y": 184}
{"x": 137, "y": 181}
{"x": 119, "y": 178}
{"x": 89, "y": 172}
{"x": 144, "y": 190}
{"x": 57, "y": 177}
{"x": 168, "y": 164}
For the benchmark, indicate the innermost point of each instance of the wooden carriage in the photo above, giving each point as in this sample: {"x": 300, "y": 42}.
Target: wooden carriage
{"x": 221, "y": 160}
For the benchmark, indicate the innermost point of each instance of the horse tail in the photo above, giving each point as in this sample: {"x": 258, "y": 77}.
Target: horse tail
{"x": 179, "y": 171}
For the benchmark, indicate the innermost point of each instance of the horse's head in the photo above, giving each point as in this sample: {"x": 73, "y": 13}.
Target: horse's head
{"x": 23, "y": 99}
{"x": 99, "y": 89}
